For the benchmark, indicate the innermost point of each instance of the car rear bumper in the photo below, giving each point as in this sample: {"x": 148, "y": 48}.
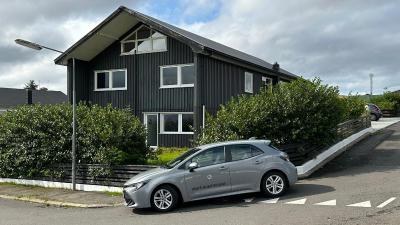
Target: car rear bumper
{"x": 292, "y": 174}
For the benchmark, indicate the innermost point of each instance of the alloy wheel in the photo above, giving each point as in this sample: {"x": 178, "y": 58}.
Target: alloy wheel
{"x": 163, "y": 199}
{"x": 275, "y": 184}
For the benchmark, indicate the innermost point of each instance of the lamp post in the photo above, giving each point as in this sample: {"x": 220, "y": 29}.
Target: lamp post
{"x": 371, "y": 76}
{"x": 38, "y": 47}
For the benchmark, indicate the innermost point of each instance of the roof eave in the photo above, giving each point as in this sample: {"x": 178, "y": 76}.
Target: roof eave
{"x": 262, "y": 69}
{"x": 142, "y": 18}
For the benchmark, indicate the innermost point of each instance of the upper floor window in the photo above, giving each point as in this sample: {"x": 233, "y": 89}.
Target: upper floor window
{"x": 143, "y": 40}
{"x": 248, "y": 82}
{"x": 177, "y": 76}
{"x": 106, "y": 80}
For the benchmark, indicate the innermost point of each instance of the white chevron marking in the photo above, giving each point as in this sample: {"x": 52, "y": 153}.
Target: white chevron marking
{"x": 298, "y": 202}
{"x": 271, "y": 201}
{"x": 366, "y": 204}
{"x": 327, "y": 203}
{"x": 386, "y": 202}
{"x": 248, "y": 200}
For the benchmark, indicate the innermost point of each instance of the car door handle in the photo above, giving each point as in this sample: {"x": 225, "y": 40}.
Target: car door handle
{"x": 258, "y": 162}
{"x": 223, "y": 168}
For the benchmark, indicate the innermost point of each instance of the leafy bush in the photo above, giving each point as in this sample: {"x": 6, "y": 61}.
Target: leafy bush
{"x": 353, "y": 107}
{"x": 165, "y": 154}
{"x": 388, "y": 101}
{"x": 298, "y": 112}
{"x": 34, "y": 138}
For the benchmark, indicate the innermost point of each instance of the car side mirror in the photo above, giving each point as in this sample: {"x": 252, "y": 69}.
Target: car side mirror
{"x": 192, "y": 166}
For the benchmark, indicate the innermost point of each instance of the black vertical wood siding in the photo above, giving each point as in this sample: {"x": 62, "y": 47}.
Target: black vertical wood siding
{"x": 143, "y": 84}
{"x": 218, "y": 82}
{"x": 222, "y": 80}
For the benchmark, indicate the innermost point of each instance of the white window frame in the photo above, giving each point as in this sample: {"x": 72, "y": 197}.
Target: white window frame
{"x": 135, "y": 51}
{"x": 179, "y": 76}
{"x": 179, "y": 122}
{"x": 248, "y": 89}
{"x": 110, "y": 72}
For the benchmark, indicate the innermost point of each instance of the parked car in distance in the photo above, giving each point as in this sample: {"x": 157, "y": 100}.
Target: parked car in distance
{"x": 210, "y": 171}
{"x": 374, "y": 111}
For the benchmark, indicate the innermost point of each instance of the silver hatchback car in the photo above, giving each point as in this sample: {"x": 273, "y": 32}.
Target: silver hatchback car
{"x": 214, "y": 170}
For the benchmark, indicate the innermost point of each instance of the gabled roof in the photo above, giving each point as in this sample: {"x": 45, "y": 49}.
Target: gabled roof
{"x": 10, "y": 97}
{"x": 123, "y": 19}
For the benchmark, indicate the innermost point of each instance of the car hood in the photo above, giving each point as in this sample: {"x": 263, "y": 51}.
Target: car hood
{"x": 148, "y": 175}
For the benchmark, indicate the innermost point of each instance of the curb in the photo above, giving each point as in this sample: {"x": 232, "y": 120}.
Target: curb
{"x": 58, "y": 203}
{"x": 63, "y": 185}
{"x": 305, "y": 170}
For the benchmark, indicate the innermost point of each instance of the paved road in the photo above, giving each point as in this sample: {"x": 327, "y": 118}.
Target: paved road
{"x": 367, "y": 174}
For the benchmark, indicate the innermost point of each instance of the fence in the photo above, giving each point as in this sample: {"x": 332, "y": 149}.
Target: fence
{"x": 390, "y": 113}
{"x": 98, "y": 174}
{"x": 301, "y": 153}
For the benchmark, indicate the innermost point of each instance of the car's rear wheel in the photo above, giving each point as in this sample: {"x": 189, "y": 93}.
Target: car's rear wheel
{"x": 164, "y": 198}
{"x": 274, "y": 184}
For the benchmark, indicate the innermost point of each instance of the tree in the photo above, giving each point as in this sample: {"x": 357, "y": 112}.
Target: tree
{"x": 31, "y": 85}
{"x": 44, "y": 89}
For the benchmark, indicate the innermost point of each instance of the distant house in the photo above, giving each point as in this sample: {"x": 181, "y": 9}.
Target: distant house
{"x": 168, "y": 76}
{"x": 10, "y": 97}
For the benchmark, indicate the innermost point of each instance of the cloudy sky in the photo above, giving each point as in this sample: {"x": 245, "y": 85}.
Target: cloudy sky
{"x": 341, "y": 41}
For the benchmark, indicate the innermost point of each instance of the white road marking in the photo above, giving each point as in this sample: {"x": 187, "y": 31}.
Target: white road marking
{"x": 248, "y": 200}
{"x": 327, "y": 203}
{"x": 366, "y": 204}
{"x": 298, "y": 202}
{"x": 271, "y": 201}
{"x": 386, "y": 202}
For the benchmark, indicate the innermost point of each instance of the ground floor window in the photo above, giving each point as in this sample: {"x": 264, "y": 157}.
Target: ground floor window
{"x": 167, "y": 123}
{"x": 176, "y": 123}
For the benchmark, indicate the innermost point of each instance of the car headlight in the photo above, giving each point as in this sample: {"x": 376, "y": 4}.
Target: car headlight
{"x": 284, "y": 156}
{"x": 135, "y": 186}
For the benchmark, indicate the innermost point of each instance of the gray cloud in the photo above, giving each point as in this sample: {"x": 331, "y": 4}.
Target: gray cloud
{"x": 341, "y": 41}
{"x": 45, "y": 22}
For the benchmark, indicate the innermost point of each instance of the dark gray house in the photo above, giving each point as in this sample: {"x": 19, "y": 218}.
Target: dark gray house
{"x": 169, "y": 77}
{"x": 11, "y": 97}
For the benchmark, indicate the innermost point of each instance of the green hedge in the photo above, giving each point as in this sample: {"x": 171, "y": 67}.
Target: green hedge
{"x": 387, "y": 101}
{"x": 33, "y": 138}
{"x": 298, "y": 112}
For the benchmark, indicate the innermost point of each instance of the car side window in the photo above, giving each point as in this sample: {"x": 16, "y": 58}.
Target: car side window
{"x": 240, "y": 152}
{"x": 209, "y": 157}
{"x": 255, "y": 151}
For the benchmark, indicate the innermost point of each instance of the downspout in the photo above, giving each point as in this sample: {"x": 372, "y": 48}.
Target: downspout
{"x": 197, "y": 104}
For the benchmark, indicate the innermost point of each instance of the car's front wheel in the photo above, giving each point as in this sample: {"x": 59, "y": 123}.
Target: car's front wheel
{"x": 274, "y": 184}
{"x": 164, "y": 198}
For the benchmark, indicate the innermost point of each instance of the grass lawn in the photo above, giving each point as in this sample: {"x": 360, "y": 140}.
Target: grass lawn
{"x": 164, "y": 155}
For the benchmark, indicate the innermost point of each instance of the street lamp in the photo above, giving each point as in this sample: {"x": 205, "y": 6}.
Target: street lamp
{"x": 40, "y": 47}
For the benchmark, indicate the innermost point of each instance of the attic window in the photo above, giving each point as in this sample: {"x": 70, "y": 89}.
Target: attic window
{"x": 143, "y": 40}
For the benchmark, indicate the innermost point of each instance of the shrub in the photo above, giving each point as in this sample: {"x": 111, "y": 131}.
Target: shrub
{"x": 353, "y": 107}
{"x": 387, "y": 101}
{"x": 298, "y": 112}
{"x": 34, "y": 138}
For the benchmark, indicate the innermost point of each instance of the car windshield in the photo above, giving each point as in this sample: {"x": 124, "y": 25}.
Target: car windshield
{"x": 182, "y": 157}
